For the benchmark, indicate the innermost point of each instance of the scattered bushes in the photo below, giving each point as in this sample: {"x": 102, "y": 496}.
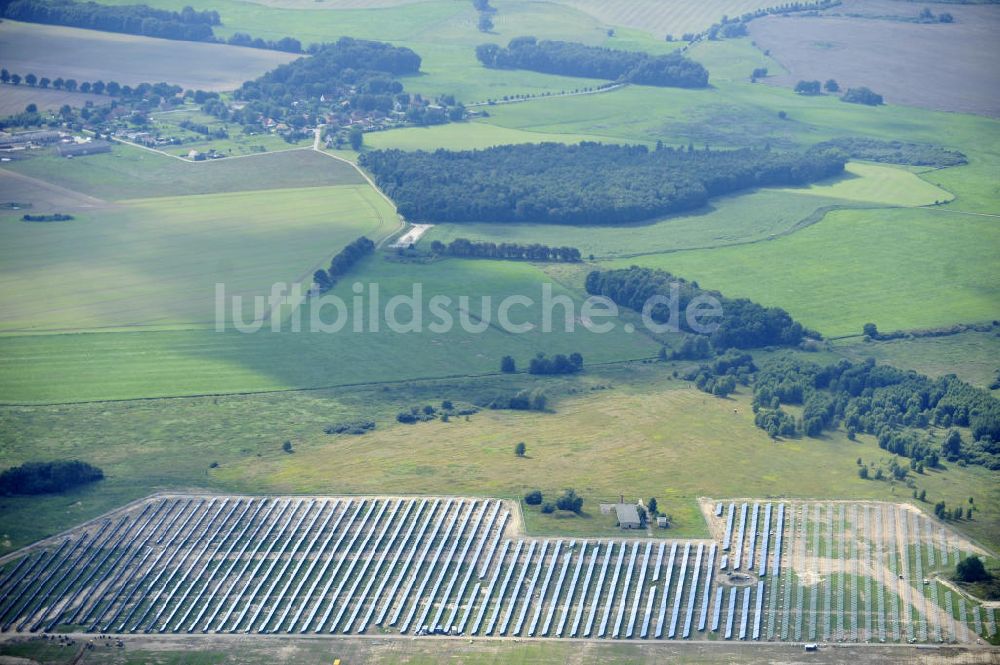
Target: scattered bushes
{"x": 356, "y": 427}
{"x": 47, "y": 477}
{"x": 557, "y": 364}
{"x": 522, "y": 400}
{"x": 862, "y": 95}
{"x": 895, "y": 152}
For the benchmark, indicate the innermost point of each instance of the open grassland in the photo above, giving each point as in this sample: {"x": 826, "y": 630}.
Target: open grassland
{"x": 901, "y": 269}
{"x": 630, "y": 430}
{"x": 972, "y": 356}
{"x": 731, "y": 220}
{"x": 15, "y": 99}
{"x": 132, "y": 173}
{"x": 155, "y": 262}
{"x": 944, "y": 66}
{"x": 79, "y": 367}
{"x": 89, "y": 55}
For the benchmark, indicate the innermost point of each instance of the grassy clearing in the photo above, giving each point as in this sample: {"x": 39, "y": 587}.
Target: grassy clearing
{"x": 902, "y": 269}
{"x": 185, "y": 362}
{"x": 89, "y": 55}
{"x": 879, "y": 184}
{"x": 155, "y": 262}
{"x": 972, "y": 356}
{"x": 133, "y": 173}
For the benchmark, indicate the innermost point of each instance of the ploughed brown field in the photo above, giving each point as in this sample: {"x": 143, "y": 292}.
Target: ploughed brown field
{"x": 940, "y": 66}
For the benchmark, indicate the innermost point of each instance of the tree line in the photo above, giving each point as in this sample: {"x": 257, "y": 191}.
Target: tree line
{"x": 47, "y": 477}
{"x": 463, "y": 247}
{"x": 575, "y": 59}
{"x": 743, "y": 324}
{"x": 98, "y": 87}
{"x": 342, "y": 263}
{"x": 587, "y": 183}
{"x": 186, "y": 25}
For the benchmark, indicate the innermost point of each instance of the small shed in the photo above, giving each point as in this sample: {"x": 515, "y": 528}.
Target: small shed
{"x": 628, "y": 516}
{"x": 662, "y": 522}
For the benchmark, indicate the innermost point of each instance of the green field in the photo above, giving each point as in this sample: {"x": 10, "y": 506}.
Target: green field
{"x": 135, "y": 173}
{"x": 901, "y": 269}
{"x": 128, "y": 365}
{"x": 155, "y": 262}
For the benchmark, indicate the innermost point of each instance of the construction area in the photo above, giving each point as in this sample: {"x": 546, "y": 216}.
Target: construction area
{"x": 774, "y": 571}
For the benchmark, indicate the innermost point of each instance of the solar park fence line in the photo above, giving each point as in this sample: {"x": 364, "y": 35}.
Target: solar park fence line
{"x": 448, "y": 566}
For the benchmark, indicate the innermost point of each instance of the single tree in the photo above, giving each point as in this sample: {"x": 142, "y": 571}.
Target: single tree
{"x": 548, "y": 508}
{"x": 58, "y": 83}
{"x": 356, "y": 138}
{"x": 923, "y": 495}
{"x": 44, "y": 82}
{"x": 971, "y": 569}
{"x": 507, "y": 365}
{"x": 533, "y": 498}
{"x": 651, "y": 505}
{"x": 831, "y": 85}
{"x": 569, "y": 501}
{"x": 520, "y": 449}
{"x": 31, "y": 108}
{"x": 485, "y": 22}
{"x": 4, "y": 75}
{"x": 863, "y": 473}
{"x": 287, "y": 446}
{"x": 15, "y": 79}
{"x": 31, "y": 79}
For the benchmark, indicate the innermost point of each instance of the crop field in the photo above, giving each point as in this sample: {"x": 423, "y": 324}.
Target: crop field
{"x": 200, "y": 361}
{"x": 16, "y": 99}
{"x": 90, "y": 55}
{"x": 164, "y": 256}
{"x": 878, "y": 266}
{"x": 472, "y": 135}
{"x": 938, "y": 66}
{"x": 456, "y": 566}
{"x": 130, "y": 172}
{"x": 660, "y": 20}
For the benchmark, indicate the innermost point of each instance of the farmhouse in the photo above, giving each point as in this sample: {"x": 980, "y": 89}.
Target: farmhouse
{"x": 628, "y": 516}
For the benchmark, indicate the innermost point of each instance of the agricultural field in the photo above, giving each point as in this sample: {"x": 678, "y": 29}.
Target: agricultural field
{"x": 90, "y": 55}
{"x": 149, "y": 249}
{"x": 131, "y": 172}
{"x": 942, "y": 66}
{"x": 17, "y": 98}
{"x": 651, "y": 16}
{"x": 883, "y": 267}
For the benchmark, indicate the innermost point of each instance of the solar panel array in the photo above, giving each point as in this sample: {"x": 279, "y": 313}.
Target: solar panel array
{"x": 446, "y": 566}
